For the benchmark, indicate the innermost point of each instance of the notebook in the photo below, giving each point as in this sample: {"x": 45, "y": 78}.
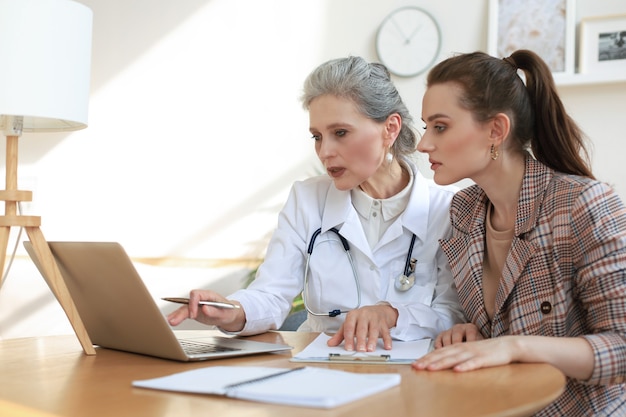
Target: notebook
{"x": 119, "y": 313}
{"x": 304, "y": 387}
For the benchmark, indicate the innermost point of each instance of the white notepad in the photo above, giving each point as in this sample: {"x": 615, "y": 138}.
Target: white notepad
{"x": 304, "y": 387}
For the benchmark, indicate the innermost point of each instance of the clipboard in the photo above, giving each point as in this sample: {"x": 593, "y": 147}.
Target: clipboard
{"x": 401, "y": 353}
{"x": 338, "y": 357}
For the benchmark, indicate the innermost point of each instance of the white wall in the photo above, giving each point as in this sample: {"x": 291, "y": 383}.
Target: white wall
{"x": 196, "y": 132}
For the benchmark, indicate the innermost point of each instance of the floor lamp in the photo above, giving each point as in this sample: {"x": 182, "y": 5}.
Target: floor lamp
{"x": 45, "y": 63}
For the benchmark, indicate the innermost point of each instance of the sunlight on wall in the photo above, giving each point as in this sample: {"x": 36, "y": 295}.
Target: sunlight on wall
{"x": 195, "y": 136}
{"x": 192, "y": 146}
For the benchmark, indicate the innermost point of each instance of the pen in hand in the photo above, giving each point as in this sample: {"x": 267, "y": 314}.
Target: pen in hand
{"x": 217, "y": 304}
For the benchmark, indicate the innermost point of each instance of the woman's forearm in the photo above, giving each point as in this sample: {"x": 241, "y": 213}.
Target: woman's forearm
{"x": 571, "y": 355}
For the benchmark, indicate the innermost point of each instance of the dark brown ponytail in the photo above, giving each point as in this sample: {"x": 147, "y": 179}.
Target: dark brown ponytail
{"x": 557, "y": 140}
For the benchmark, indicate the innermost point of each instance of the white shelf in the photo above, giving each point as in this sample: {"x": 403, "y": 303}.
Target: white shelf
{"x": 565, "y": 80}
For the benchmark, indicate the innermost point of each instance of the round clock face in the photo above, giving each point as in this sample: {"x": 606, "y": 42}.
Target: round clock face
{"x": 408, "y": 41}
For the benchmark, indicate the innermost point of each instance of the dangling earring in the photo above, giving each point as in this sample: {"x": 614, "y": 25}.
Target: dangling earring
{"x": 494, "y": 152}
{"x": 389, "y": 157}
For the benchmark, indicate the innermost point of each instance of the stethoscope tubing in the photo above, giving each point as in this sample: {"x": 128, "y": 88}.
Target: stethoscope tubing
{"x": 408, "y": 267}
{"x": 346, "y": 247}
{"x": 407, "y": 263}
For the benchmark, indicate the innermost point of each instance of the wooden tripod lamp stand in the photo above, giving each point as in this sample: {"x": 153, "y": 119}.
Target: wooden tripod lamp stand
{"x": 45, "y": 63}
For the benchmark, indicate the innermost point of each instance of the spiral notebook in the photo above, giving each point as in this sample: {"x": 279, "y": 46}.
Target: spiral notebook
{"x": 302, "y": 387}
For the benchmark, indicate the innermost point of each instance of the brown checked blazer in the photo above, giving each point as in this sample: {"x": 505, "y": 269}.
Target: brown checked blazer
{"x": 564, "y": 276}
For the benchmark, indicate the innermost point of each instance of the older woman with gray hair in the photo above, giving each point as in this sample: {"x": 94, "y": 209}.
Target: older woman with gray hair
{"x": 359, "y": 242}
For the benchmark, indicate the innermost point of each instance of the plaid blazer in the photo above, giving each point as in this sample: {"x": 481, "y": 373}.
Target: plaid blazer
{"x": 565, "y": 275}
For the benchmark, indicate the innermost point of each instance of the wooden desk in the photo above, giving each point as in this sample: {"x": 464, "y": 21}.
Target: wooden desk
{"x": 52, "y": 375}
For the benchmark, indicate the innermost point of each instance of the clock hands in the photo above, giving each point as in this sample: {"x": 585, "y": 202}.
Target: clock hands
{"x": 407, "y": 39}
{"x": 417, "y": 29}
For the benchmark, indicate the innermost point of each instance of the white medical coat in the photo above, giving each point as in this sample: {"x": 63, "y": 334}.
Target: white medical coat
{"x": 428, "y": 308}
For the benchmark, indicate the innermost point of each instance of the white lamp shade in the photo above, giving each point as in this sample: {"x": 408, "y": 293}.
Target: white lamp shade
{"x": 45, "y": 63}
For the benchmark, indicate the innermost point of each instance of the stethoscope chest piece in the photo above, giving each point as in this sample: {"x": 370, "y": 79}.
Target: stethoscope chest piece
{"x": 405, "y": 283}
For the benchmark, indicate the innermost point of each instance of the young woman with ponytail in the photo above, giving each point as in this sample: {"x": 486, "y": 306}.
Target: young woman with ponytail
{"x": 538, "y": 245}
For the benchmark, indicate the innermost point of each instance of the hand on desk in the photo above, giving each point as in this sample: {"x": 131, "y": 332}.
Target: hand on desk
{"x": 231, "y": 320}
{"x": 451, "y": 351}
{"x": 470, "y": 356}
{"x": 366, "y": 325}
{"x": 463, "y": 348}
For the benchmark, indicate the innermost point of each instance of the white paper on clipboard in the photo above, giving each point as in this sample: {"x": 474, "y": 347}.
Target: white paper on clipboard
{"x": 401, "y": 352}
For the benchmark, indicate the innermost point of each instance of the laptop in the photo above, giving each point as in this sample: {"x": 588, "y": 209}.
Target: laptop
{"x": 119, "y": 313}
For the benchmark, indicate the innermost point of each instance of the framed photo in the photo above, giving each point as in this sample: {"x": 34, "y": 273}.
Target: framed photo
{"x": 547, "y": 27}
{"x": 602, "y": 44}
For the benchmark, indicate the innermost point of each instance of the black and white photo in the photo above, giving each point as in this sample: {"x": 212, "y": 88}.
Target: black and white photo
{"x": 602, "y": 44}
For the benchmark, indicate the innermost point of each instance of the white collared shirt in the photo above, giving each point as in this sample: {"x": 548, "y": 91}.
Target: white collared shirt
{"x": 377, "y": 215}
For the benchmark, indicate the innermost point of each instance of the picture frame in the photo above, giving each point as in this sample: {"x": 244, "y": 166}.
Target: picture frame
{"x": 547, "y": 27}
{"x": 602, "y": 44}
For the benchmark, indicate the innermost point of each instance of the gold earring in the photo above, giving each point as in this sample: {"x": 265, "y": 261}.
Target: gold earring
{"x": 494, "y": 152}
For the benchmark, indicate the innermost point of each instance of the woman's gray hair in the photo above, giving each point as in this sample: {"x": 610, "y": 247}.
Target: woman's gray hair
{"x": 369, "y": 87}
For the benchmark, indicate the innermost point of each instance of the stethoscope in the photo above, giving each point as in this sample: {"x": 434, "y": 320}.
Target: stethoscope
{"x": 403, "y": 283}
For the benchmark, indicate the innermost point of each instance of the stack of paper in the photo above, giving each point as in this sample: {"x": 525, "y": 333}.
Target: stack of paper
{"x": 306, "y": 386}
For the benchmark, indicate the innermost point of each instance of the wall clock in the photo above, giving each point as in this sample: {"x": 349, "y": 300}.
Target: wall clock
{"x": 408, "y": 41}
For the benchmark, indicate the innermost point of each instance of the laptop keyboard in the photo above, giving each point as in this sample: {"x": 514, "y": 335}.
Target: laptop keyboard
{"x": 199, "y": 348}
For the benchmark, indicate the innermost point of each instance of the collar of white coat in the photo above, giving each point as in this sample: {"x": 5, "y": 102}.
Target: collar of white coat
{"x": 340, "y": 213}
{"x": 389, "y": 208}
